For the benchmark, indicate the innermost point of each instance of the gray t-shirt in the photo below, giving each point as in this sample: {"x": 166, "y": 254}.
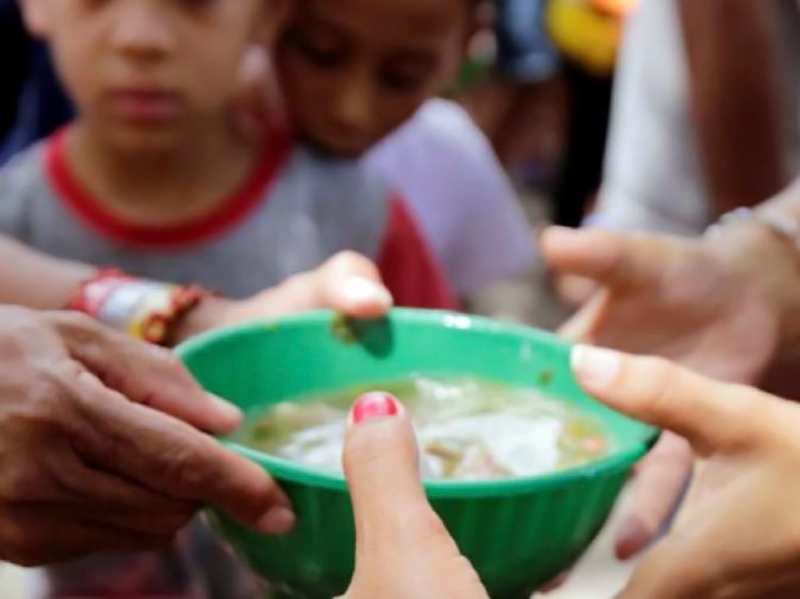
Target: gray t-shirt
{"x": 275, "y": 226}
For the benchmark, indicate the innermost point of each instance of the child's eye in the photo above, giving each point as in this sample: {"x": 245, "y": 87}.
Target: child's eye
{"x": 325, "y": 56}
{"x": 403, "y": 82}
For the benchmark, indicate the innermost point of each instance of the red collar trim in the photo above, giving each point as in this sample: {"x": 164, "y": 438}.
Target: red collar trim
{"x": 173, "y": 236}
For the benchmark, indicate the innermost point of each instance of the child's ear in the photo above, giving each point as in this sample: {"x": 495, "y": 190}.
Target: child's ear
{"x": 36, "y": 17}
{"x": 273, "y": 19}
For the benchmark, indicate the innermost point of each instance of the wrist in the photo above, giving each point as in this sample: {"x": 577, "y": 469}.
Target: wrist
{"x": 766, "y": 263}
{"x": 210, "y": 313}
{"x": 143, "y": 309}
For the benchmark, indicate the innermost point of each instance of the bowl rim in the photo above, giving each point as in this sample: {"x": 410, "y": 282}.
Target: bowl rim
{"x": 285, "y": 470}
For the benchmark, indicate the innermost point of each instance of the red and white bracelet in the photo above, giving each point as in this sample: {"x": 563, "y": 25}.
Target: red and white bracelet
{"x": 143, "y": 309}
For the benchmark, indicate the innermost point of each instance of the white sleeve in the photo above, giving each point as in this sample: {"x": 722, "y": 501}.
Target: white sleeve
{"x": 463, "y": 200}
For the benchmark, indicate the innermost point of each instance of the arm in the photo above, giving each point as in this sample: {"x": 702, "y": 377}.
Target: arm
{"x": 735, "y": 97}
{"x": 347, "y": 283}
{"x": 34, "y": 280}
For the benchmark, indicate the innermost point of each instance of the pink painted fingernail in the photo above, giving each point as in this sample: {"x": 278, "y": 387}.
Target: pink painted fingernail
{"x": 374, "y": 405}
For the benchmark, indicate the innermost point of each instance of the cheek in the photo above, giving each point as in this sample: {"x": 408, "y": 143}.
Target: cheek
{"x": 79, "y": 65}
{"x": 305, "y": 87}
{"x": 395, "y": 109}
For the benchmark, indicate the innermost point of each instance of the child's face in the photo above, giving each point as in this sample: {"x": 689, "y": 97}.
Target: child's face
{"x": 144, "y": 72}
{"x": 355, "y": 70}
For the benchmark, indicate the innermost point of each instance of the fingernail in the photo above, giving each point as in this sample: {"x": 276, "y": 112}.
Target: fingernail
{"x": 595, "y": 367}
{"x": 277, "y": 521}
{"x": 226, "y": 409}
{"x": 633, "y": 537}
{"x": 374, "y": 405}
{"x": 361, "y": 289}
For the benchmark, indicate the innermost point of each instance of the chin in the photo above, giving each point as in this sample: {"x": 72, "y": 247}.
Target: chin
{"x": 138, "y": 139}
{"x": 332, "y": 150}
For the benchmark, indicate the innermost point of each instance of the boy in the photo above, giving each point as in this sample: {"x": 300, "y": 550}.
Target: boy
{"x": 357, "y": 76}
{"x": 152, "y": 179}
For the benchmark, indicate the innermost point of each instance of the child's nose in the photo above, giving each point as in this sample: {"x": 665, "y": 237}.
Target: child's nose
{"x": 139, "y": 30}
{"x": 354, "y": 104}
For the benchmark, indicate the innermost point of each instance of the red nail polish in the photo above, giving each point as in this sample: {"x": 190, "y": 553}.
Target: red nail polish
{"x": 374, "y": 405}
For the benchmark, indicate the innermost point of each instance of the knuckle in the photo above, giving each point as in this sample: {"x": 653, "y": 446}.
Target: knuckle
{"x": 423, "y": 526}
{"x": 80, "y": 327}
{"x": 658, "y": 379}
{"x": 182, "y": 469}
{"x": 20, "y": 485}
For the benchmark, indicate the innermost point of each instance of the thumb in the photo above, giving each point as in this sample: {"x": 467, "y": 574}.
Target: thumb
{"x": 403, "y": 549}
{"x": 711, "y": 415}
{"x": 381, "y": 463}
{"x": 607, "y": 258}
{"x": 350, "y": 284}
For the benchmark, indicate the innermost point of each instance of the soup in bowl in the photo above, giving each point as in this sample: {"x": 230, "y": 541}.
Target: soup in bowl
{"x": 522, "y": 510}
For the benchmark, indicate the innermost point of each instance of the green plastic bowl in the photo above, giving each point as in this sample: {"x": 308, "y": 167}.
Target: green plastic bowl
{"x": 518, "y": 533}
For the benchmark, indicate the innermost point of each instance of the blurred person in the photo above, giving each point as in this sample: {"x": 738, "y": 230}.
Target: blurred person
{"x": 516, "y": 105}
{"x": 428, "y": 149}
{"x": 701, "y": 126}
{"x": 378, "y": 68}
{"x": 153, "y": 179}
{"x": 75, "y": 391}
{"x": 708, "y": 303}
{"x": 587, "y": 35}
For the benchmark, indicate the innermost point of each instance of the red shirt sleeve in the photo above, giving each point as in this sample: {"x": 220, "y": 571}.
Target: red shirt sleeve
{"x": 408, "y": 267}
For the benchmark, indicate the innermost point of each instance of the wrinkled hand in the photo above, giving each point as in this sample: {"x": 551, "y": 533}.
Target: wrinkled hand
{"x": 709, "y": 305}
{"x": 403, "y": 551}
{"x": 100, "y": 447}
{"x": 347, "y": 283}
{"x": 738, "y": 534}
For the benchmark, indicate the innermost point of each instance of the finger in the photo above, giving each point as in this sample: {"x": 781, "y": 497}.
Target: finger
{"x": 381, "y": 463}
{"x": 711, "y": 415}
{"x": 607, "y": 258}
{"x": 582, "y": 325}
{"x": 121, "y": 503}
{"x": 351, "y": 284}
{"x": 146, "y": 374}
{"x": 348, "y": 283}
{"x": 657, "y": 488}
{"x": 84, "y": 484}
{"x": 397, "y": 532}
{"x": 671, "y": 571}
{"x": 172, "y": 458}
{"x": 36, "y": 536}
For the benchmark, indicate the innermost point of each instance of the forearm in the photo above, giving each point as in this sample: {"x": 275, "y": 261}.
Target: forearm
{"x": 40, "y": 282}
{"x": 34, "y": 280}
{"x": 735, "y": 98}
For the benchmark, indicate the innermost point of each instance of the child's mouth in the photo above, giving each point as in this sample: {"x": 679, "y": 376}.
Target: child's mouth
{"x": 145, "y": 106}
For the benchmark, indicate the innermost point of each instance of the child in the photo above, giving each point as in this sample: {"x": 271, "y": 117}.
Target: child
{"x": 151, "y": 178}
{"x": 357, "y": 76}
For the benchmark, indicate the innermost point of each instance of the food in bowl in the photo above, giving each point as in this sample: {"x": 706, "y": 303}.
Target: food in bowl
{"x": 468, "y": 429}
